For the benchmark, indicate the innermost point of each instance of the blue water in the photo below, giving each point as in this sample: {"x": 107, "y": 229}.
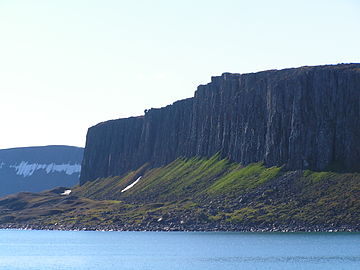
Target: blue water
{"x": 52, "y": 250}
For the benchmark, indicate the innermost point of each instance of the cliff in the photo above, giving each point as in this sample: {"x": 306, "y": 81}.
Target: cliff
{"x": 301, "y": 118}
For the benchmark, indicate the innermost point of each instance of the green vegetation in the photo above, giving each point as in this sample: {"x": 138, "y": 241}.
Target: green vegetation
{"x": 241, "y": 179}
{"x": 197, "y": 193}
{"x": 314, "y": 177}
{"x": 181, "y": 179}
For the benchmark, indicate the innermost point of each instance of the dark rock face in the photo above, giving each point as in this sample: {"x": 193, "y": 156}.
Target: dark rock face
{"x": 302, "y": 118}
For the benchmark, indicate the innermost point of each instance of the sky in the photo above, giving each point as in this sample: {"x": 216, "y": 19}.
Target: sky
{"x": 66, "y": 65}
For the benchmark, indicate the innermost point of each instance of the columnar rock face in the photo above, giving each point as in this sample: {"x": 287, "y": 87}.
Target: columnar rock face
{"x": 301, "y": 118}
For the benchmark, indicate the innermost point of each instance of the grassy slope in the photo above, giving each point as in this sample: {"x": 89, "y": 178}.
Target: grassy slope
{"x": 182, "y": 179}
{"x": 200, "y": 192}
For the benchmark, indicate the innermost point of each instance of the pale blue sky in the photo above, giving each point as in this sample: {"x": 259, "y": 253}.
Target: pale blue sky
{"x": 66, "y": 65}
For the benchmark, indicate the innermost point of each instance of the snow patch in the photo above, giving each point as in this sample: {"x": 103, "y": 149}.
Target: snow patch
{"x": 66, "y": 192}
{"x": 27, "y": 169}
{"x": 131, "y": 185}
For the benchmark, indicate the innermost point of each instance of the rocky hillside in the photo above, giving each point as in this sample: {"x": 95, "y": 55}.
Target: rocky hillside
{"x": 300, "y": 118}
{"x": 39, "y": 168}
{"x": 196, "y": 194}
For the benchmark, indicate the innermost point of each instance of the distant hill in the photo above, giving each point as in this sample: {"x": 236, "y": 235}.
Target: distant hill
{"x": 39, "y": 168}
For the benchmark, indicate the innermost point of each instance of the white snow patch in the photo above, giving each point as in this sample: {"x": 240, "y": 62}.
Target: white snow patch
{"x": 66, "y": 192}
{"x": 131, "y": 185}
{"x": 27, "y": 169}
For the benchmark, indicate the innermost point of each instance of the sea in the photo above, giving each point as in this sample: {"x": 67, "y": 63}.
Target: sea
{"x": 80, "y": 250}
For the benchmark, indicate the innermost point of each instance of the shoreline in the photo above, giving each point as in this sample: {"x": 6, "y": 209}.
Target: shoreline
{"x": 279, "y": 229}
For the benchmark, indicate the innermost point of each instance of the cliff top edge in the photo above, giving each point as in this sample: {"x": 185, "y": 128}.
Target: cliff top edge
{"x": 230, "y": 75}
